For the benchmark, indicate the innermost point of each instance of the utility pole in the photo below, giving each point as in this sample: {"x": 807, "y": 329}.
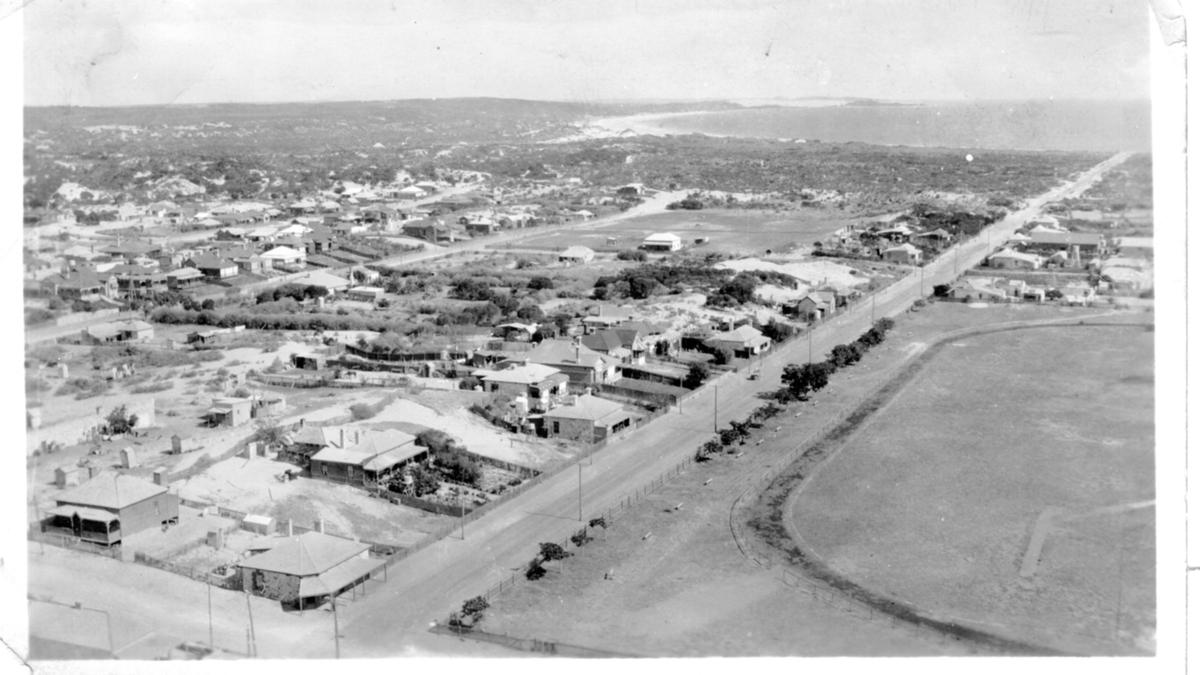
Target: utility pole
{"x": 921, "y": 288}
{"x": 253, "y": 637}
{"x": 337, "y": 645}
{"x": 715, "y": 388}
{"x": 872, "y": 310}
{"x": 462, "y": 518}
{"x": 810, "y": 333}
{"x": 580, "y": 492}
{"x": 210, "y": 626}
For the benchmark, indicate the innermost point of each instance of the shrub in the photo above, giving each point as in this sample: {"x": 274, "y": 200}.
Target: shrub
{"x": 632, "y": 254}
{"x": 551, "y": 551}
{"x": 696, "y": 375}
{"x": 535, "y": 570}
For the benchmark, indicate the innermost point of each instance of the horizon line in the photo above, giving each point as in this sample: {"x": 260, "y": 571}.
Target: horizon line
{"x": 761, "y": 101}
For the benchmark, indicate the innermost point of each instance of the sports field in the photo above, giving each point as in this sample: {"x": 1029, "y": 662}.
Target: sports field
{"x": 1008, "y": 488}
{"x": 736, "y": 231}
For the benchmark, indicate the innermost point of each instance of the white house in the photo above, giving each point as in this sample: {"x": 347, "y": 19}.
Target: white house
{"x": 577, "y": 254}
{"x": 905, "y": 254}
{"x": 662, "y": 241}
{"x": 1009, "y": 259}
{"x": 285, "y": 255}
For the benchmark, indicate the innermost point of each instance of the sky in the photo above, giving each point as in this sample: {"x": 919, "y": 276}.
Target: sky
{"x": 133, "y": 52}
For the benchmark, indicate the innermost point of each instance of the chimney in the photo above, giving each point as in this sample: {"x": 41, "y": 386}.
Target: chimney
{"x": 576, "y": 352}
{"x": 341, "y": 437}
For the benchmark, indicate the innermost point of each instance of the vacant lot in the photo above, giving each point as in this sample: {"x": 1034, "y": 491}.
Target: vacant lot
{"x": 936, "y": 499}
{"x": 728, "y": 230}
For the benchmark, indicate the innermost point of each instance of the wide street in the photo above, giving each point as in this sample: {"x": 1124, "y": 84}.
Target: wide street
{"x": 392, "y": 619}
{"x": 434, "y": 581}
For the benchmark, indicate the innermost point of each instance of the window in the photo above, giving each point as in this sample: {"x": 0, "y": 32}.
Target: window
{"x": 556, "y": 427}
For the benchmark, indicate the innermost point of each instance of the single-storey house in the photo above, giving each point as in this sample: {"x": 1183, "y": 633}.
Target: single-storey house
{"x": 904, "y": 254}
{"x": 365, "y": 293}
{"x": 285, "y": 255}
{"x": 583, "y": 365}
{"x": 1090, "y": 243}
{"x": 515, "y": 332}
{"x": 540, "y": 384}
{"x": 370, "y": 461}
{"x": 662, "y": 241}
{"x": 307, "y": 570}
{"x": 332, "y": 283}
{"x": 1142, "y": 247}
{"x": 229, "y": 412}
{"x": 84, "y": 285}
{"x": 110, "y": 506}
{"x": 1009, "y": 259}
{"x": 577, "y": 254}
{"x": 130, "y": 330}
{"x": 184, "y": 277}
{"x": 815, "y": 306}
{"x": 608, "y": 342}
{"x": 214, "y": 266}
{"x": 976, "y": 289}
{"x": 589, "y": 419}
{"x": 743, "y": 341}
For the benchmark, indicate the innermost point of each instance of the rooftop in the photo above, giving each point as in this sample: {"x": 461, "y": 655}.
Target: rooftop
{"x": 308, "y": 554}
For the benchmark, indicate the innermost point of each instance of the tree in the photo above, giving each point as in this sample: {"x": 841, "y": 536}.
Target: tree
{"x": 119, "y": 421}
{"x": 641, "y": 287}
{"x": 550, "y": 551}
{"x": 801, "y": 380}
{"x": 539, "y": 283}
{"x": 535, "y": 570}
{"x": 845, "y": 355}
{"x": 722, "y": 356}
{"x": 269, "y": 431}
{"x": 424, "y": 481}
{"x": 475, "y": 606}
{"x": 696, "y": 375}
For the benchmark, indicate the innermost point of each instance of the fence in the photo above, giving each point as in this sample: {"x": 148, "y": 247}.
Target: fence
{"x": 232, "y": 582}
{"x": 74, "y": 543}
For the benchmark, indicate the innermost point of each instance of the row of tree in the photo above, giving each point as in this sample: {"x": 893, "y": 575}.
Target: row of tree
{"x": 801, "y": 380}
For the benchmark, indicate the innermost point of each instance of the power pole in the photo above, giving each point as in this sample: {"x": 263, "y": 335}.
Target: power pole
{"x": 872, "y": 310}
{"x": 580, "y": 492}
{"x": 337, "y": 645}
{"x": 810, "y": 334}
{"x": 210, "y": 626}
{"x": 462, "y": 519}
{"x": 253, "y": 637}
{"x": 715, "y": 388}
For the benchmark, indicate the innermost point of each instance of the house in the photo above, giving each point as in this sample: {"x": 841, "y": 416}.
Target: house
{"x": 588, "y": 419}
{"x": 364, "y": 275}
{"x": 898, "y": 234}
{"x": 641, "y": 337}
{"x": 541, "y": 385}
{"x": 585, "y": 214}
{"x": 607, "y": 342}
{"x": 976, "y": 289}
{"x": 515, "y": 332}
{"x": 1009, "y": 259}
{"x": 430, "y": 230}
{"x": 480, "y": 225}
{"x": 285, "y": 255}
{"x": 577, "y": 254}
{"x": 631, "y": 190}
{"x": 904, "y": 254}
{"x": 307, "y": 570}
{"x": 249, "y": 262}
{"x": 411, "y": 192}
{"x": 332, "y": 283}
{"x": 584, "y": 366}
{"x": 1078, "y": 294}
{"x": 1141, "y": 247}
{"x": 83, "y": 284}
{"x": 110, "y": 506}
{"x": 662, "y": 241}
{"x": 138, "y": 280}
{"x": 370, "y": 294}
{"x": 815, "y": 306}
{"x": 184, "y": 277}
{"x": 370, "y": 461}
{"x": 229, "y": 412}
{"x": 132, "y": 330}
{"x": 1089, "y": 243}
{"x": 300, "y": 445}
{"x": 214, "y": 267}
{"x": 743, "y": 341}
{"x": 933, "y": 238}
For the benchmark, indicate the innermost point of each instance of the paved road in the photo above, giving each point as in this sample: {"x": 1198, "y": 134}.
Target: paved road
{"x": 434, "y": 581}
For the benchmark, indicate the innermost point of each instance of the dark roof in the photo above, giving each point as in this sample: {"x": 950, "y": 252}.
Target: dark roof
{"x": 603, "y": 341}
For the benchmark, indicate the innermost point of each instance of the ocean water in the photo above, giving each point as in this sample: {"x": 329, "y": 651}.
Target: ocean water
{"x": 1102, "y": 126}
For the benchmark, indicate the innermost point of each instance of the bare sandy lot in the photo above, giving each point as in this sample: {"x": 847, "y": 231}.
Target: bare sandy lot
{"x": 937, "y": 498}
